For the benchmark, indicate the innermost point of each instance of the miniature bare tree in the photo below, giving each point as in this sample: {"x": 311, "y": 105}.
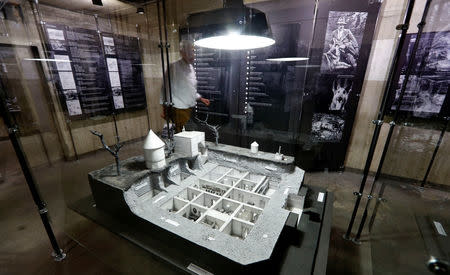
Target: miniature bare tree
{"x": 115, "y": 151}
{"x": 213, "y": 128}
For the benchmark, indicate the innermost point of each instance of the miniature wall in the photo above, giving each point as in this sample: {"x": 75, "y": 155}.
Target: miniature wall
{"x": 411, "y": 148}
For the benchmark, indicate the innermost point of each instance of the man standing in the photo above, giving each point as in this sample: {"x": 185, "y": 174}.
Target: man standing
{"x": 184, "y": 87}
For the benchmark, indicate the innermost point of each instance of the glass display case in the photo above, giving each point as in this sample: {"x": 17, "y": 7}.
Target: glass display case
{"x": 189, "y": 134}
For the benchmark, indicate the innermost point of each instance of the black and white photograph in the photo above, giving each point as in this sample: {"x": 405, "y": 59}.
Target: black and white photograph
{"x": 110, "y": 50}
{"x": 112, "y": 64}
{"x": 55, "y": 34}
{"x": 58, "y": 45}
{"x": 341, "y": 89}
{"x": 108, "y": 42}
{"x": 327, "y": 128}
{"x": 424, "y": 96}
{"x": 117, "y": 91}
{"x": 73, "y": 107}
{"x": 438, "y": 59}
{"x": 70, "y": 94}
{"x": 118, "y": 98}
{"x": 343, "y": 39}
{"x": 432, "y": 55}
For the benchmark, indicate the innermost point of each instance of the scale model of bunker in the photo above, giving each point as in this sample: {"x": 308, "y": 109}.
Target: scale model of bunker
{"x": 228, "y": 201}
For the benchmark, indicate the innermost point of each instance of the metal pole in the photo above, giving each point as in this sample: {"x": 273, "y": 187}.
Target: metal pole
{"x": 167, "y": 49}
{"x": 43, "y": 211}
{"x": 115, "y": 124}
{"x": 167, "y": 104}
{"x": 409, "y": 68}
{"x": 69, "y": 124}
{"x": 380, "y": 192}
{"x": 404, "y": 28}
{"x": 377, "y": 204}
{"x": 99, "y": 33}
{"x": 138, "y": 33}
{"x": 435, "y": 151}
{"x": 45, "y": 149}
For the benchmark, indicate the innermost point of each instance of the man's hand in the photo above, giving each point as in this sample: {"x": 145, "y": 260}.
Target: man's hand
{"x": 205, "y": 101}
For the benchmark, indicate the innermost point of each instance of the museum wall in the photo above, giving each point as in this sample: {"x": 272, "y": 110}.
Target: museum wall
{"x": 45, "y": 132}
{"x": 131, "y": 125}
{"x": 411, "y": 147}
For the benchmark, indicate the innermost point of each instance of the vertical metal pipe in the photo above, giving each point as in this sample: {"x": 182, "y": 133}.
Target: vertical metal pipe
{"x": 43, "y": 211}
{"x": 409, "y": 68}
{"x": 115, "y": 124}
{"x": 167, "y": 46}
{"x": 378, "y": 123}
{"x": 138, "y": 33}
{"x": 364, "y": 179}
{"x": 69, "y": 124}
{"x": 106, "y": 63}
{"x": 45, "y": 148}
{"x": 167, "y": 104}
{"x": 441, "y": 136}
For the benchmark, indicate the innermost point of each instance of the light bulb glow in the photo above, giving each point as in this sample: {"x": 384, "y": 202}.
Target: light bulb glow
{"x": 235, "y": 42}
{"x": 287, "y": 59}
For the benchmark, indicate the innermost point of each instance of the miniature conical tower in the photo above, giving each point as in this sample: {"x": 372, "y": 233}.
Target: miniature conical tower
{"x": 154, "y": 151}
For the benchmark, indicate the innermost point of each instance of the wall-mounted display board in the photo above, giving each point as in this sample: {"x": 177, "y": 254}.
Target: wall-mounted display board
{"x": 124, "y": 71}
{"x": 90, "y": 79}
{"x": 340, "y": 50}
{"x": 426, "y": 94}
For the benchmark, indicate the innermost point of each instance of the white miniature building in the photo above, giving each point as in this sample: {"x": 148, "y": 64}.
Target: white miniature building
{"x": 254, "y": 147}
{"x": 154, "y": 155}
{"x": 187, "y": 143}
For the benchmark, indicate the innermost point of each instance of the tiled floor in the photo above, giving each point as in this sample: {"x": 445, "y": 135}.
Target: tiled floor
{"x": 394, "y": 246}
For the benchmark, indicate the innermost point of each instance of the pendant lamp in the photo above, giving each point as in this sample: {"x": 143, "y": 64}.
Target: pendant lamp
{"x": 234, "y": 27}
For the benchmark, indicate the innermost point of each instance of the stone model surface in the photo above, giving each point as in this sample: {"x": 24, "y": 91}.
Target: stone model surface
{"x": 230, "y": 201}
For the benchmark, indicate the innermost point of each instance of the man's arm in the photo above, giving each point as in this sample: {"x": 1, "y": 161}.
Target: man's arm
{"x": 199, "y": 97}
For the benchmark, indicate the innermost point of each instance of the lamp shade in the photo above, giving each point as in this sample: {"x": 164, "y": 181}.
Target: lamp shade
{"x": 232, "y": 28}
